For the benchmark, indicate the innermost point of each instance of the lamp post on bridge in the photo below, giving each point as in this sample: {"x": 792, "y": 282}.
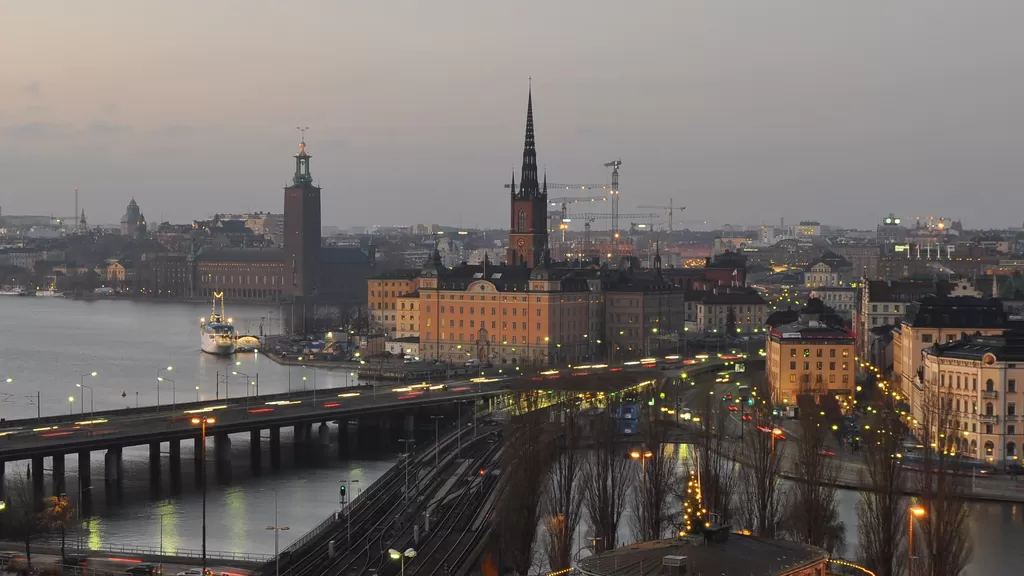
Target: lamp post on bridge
{"x": 249, "y": 381}
{"x": 81, "y": 384}
{"x": 277, "y": 528}
{"x": 158, "y": 381}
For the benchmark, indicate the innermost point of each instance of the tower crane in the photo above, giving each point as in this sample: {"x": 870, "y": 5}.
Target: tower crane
{"x": 669, "y": 210}
{"x": 562, "y": 217}
{"x": 614, "y": 192}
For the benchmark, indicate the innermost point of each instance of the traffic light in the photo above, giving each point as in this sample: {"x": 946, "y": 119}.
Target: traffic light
{"x": 342, "y": 491}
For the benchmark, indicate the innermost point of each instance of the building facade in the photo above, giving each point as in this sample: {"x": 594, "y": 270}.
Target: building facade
{"x": 842, "y": 299}
{"x": 884, "y": 302}
{"x": 726, "y": 311}
{"x": 383, "y": 292}
{"x": 133, "y": 223}
{"x": 938, "y": 320}
{"x": 809, "y": 357}
{"x": 830, "y": 269}
{"x": 240, "y": 274}
{"x": 981, "y": 381}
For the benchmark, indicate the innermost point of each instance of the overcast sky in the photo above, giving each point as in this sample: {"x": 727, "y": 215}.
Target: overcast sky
{"x": 840, "y": 111}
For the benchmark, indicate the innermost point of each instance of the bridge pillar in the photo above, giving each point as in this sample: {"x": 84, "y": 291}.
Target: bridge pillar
{"x": 174, "y": 462}
{"x": 342, "y": 439}
{"x": 37, "y": 477}
{"x": 300, "y": 440}
{"x": 222, "y": 455}
{"x": 154, "y": 463}
{"x": 58, "y": 474}
{"x": 275, "y": 448}
{"x": 255, "y": 452}
{"x": 3, "y": 471}
{"x": 410, "y": 425}
{"x": 84, "y": 470}
{"x": 112, "y": 466}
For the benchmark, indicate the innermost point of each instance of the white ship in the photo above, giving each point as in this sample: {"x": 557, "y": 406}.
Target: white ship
{"x": 15, "y": 291}
{"x": 48, "y": 293}
{"x": 218, "y": 335}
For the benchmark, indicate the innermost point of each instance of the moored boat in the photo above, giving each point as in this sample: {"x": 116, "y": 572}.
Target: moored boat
{"x": 218, "y": 335}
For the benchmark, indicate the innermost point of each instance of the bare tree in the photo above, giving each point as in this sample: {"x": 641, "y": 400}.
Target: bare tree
{"x": 606, "y": 476}
{"x": 564, "y": 494}
{"x": 658, "y": 473}
{"x": 21, "y": 518}
{"x": 714, "y": 460}
{"x": 882, "y": 510}
{"x": 760, "y": 495}
{"x": 943, "y": 548}
{"x": 519, "y": 508}
{"x": 812, "y": 511}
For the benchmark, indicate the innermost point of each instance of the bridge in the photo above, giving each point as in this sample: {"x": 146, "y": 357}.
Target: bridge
{"x": 55, "y": 437}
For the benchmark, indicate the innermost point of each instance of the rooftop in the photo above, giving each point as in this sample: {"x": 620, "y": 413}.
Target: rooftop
{"x": 726, "y": 296}
{"x": 1006, "y": 347}
{"x": 905, "y": 290}
{"x": 271, "y": 255}
{"x": 736, "y": 555}
{"x": 955, "y": 312}
{"x": 399, "y": 274}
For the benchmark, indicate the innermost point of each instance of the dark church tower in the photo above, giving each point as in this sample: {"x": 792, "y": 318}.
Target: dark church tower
{"x": 301, "y": 229}
{"x": 528, "y": 232}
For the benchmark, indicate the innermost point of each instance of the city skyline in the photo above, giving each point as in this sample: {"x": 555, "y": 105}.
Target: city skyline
{"x": 797, "y": 110}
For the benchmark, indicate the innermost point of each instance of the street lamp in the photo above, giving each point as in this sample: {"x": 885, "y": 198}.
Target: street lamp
{"x": 407, "y": 442}
{"x": 249, "y": 381}
{"x": 174, "y": 393}
{"x": 642, "y": 457}
{"x": 158, "y": 381}
{"x": 277, "y": 528}
{"x": 202, "y": 422}
{"x": 915, "y": 512}
{"x": 197, "y": 393}
{"x": 81, "y": 384}
{"x": 71, "y": 405}
{"x": 396, "y": 555}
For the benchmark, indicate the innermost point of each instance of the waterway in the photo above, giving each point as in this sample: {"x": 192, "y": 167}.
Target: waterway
{"x": 46, "y": 344}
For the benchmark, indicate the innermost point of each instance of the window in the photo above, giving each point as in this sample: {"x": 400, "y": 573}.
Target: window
{"x": 807, "y": 352}
{"x": 521, "y": 221}
{"x": 831, "y": 378}
{"x": 807, "y": 365}
{"x": 989, "y": 410}
{"x": 989, "y": 385}
{"x": 792, "y": 352}
{"x": 874, "y": 307}
{"x": 1011, "y": 385}
{"x": 1011, "y": 429}
{"x": 1011, "y": 408}
{"x": 831, "y": 365}
{"x": 792, "y": 377}
{"x": 846, "y": 365}
{"x": 846, "y": 354}
{"x": 819, "y": 352}
{"x": 831, "y": 352}
{"x": 926, "y": 338}
{"x": 792, "y": 365}
{"x": 817, "y": 365}
{"x": 988, "y": 429}
{"x": 846, "y": 378}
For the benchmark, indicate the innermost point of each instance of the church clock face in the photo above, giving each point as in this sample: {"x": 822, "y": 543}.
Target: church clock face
{"x": 521, "y": 242}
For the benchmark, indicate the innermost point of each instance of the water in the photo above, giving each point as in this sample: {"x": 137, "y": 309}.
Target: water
{"x": 46, "y": 344}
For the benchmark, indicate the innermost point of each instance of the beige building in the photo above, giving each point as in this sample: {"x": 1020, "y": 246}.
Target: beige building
{"x": 842, "y": 299}
{"x": 809, "y": 357}
{"x": 884, "y": 302}
{"x": 980, "y": 378}
{"x": 739, "y": 311}
{"x": 938, "y": 320}
{"x": 644, "y": 315}
{"x": 408, "y": 323}
{"x": 830, "y": 269}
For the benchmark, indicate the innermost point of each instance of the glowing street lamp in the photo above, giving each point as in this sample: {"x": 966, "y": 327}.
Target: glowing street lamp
{"x": 915, "y": 512}
{"x": 158, "y": 381}
{"x": 81, "y": 384}
{"x": 202, "y": 422}
{"x": 396, "y": 555}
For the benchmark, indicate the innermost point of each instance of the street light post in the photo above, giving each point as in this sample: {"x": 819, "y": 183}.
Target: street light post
{"x": 277, "y": 528}
{"x": 92, "y": 399}
{"x": 915, "y": 511}
{"x": 396, "y": 555}
{"x": 642, "y": 457}
{"x": 202, "y": 422}
{"x": 81, "y": 384}
{"x": 406, "y": 441}
{"x": 174, "y": 392}
{"x": 248, "y": 382}
{"x": 158, "y": 381}
{"x": 71, "y": 405}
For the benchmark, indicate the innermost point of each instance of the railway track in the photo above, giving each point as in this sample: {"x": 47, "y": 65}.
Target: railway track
{"x": 367, "y": 515}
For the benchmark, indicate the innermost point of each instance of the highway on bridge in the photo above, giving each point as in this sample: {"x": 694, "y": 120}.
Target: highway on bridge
{"x": 23, "y": 439}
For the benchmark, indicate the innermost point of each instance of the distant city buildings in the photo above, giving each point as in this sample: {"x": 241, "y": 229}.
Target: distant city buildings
{"x": 133, "y": 223}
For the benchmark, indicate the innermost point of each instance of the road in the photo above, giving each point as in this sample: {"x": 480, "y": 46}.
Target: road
{"x": 45, "y": 556}
{"x": 22, "y": 440}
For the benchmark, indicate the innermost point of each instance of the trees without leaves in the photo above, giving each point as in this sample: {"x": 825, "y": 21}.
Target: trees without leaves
{"x": 812, "y": 515}
{"x": 882, "y": 510}
{"x": 564, "y": 493}
{"x": 658, "y": 475}
{"x": 760, "y": 495}
{"x": 607, "y": 474}
{"x": 943, "y": 547}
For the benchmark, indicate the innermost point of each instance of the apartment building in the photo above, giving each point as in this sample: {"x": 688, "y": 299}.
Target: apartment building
{"x": 809, "y": 356}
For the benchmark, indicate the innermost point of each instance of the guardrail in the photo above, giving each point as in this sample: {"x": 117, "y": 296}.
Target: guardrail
{"x": 174, "y": 553}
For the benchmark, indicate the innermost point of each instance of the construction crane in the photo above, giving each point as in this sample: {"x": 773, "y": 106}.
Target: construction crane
{"x": 568, "y": 187}
{"x": 669, "y": 209}
{"x": 562, "y": 217}
{"x": 614, "y": 192}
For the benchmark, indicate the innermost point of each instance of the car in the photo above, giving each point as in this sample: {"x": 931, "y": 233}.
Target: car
{"x": 1015, "y": 469}
{"x": 748, "y": 417}
{"x": 734, "y": 408}
{"x": 144, "y": 570}
{"x": 472, "y": 362}
{"x": 191, "y": 572}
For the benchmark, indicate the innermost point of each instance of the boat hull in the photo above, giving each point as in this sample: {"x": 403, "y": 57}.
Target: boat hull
{"x": 217, "y": 345}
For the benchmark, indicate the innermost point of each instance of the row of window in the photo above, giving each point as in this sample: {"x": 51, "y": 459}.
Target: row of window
{"x": 1011, "y": 383}
{"x": 819, "y": 353}
{"x": 222, "y": 279}
{"x": 819, "y": 379}
{"x": 818, "y": 365}
{"x": 462, "y": 337}
{"x": 885, "y": 308}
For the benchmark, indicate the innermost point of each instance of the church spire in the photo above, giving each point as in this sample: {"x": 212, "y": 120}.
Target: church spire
{"x": 529, "y": 187}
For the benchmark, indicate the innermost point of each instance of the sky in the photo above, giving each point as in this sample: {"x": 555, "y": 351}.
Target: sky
{"x": 744, "y": 112}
